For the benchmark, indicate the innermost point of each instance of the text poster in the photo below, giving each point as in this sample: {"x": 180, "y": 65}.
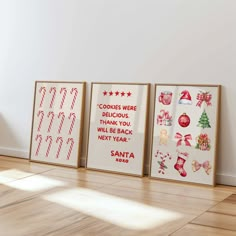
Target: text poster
{"x": 57, "y": 118}
{"x": 185, "y": 127}
{"x": 118, "y": 119}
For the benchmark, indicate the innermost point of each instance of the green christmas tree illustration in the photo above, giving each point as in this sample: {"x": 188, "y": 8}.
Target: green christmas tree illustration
{"x": 204, "y": 121}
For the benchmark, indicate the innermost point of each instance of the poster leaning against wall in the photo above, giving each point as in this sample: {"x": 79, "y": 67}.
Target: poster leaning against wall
{"x": 117, "y": 130}
{"x": 57, "y": 122}
{"x": 185, "y": 133}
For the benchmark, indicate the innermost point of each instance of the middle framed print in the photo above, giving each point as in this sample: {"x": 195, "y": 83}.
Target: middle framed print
{"x": 117, "y": 129}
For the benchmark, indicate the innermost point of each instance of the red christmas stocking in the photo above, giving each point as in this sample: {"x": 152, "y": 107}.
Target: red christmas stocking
{"x": 179, "y": 166}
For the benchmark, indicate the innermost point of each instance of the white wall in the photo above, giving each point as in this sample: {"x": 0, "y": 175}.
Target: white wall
{"x": 165, "y": 41}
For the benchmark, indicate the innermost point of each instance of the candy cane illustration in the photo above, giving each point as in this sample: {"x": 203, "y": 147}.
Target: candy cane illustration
{"x": 62, "y": 115}
{"x": 50, "y": 113}
{"x": 40, "y": 113}
{"x": 72, "y": 122}
{"x": 52, "y": 90}
{"x": 64, "y": 91}
{"x": 71, "y": 141}
{"x": 73, "y": 90}
{"x": 59, "y": 147}
{"x": 49, "y": 145}
{"x": 39, "y": 139}
{"x": 42, "y": 90}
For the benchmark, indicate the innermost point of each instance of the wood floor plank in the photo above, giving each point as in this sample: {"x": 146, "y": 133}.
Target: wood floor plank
{"x": 35, "y": 217}
{"x": 231, "y": 189}
{"x": 177, "y": 189}
{"x": 216, "y": 220}
{"x": 8, "y": 175}
{"x": 10, "y": 195}
{"x": 70, "y": 181}
{"x": 14, "y": 159}
{"x": 39, "y": 199}
{"x": 224, "y": 208}
{"x": 231, "y": 199}
{"x": 198, "y": 230}
{"x": 227, "y": 206}
{"x": 25, "y": 166}
{"x": 183, "y": 204}
{"x": 89, "y": 226}
{"x": 104, "y": 178}
{"x": 19, "y": 190}
{"x": 44, "y": 217}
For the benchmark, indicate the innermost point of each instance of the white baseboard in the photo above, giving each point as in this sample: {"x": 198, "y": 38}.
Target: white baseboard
{"x": 14, "y": 152}
{"x": 220, "y": 178}
{"x": 226, "y": 179}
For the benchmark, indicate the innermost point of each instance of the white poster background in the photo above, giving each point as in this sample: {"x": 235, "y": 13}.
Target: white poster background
{"x": 107, "y": 154}
{"x": 194, "y": 112}
{"x": 60, "y": 143}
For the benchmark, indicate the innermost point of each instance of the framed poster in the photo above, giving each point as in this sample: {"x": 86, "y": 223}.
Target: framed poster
{"x": 117, "y": 130}
{"x": 57, "y": 122}
{"x": 185, "y": 131}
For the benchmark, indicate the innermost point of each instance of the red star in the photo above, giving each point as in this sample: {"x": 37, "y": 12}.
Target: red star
{"x": 105, "y": 93}
{"x": 111, "y": 93}
{"x": 129, "y": 94}
{"x": 117, "y": 93}
{"x": 122, "y": 94}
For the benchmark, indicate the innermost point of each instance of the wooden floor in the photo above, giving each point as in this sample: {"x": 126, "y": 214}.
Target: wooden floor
{"x": 38, "y": 199}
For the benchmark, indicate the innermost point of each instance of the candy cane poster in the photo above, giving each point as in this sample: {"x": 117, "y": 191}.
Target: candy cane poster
{"x": 57, "y": 122}
{"x": 118, "y": 119}
{"x": 185, "y": 128}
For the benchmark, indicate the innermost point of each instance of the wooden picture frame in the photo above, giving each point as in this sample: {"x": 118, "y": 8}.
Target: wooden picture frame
{"x": 185, "y": 133}
{"x": 57, "y": 123}
{"x": 117, "y": 128}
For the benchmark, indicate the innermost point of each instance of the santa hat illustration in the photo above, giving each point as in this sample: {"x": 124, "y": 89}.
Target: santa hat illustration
{"x": 185, "y": 98}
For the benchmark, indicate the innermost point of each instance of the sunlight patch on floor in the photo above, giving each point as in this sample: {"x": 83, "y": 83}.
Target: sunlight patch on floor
{"x": 115, "y": 210}
{"x": 35, "y": 183}
{"x": 12, "y": 174}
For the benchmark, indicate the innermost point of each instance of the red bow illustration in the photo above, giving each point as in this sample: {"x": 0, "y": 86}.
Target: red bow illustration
{"x": 184, "y": 138}
{"x": 204, "y": 97}
{"x": 205, "y": 165}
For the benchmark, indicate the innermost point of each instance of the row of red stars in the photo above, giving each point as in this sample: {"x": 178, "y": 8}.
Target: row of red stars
{"x": 117, "y": 93}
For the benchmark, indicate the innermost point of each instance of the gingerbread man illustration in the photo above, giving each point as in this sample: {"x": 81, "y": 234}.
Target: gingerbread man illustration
{"x": 163, "y": 137}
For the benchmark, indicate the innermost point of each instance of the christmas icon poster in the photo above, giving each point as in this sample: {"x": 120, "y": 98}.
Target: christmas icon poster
{"x": 185, "y": 128}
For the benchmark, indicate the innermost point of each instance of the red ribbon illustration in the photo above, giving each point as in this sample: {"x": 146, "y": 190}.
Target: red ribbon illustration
{"x": 184, "y": 138}
{"x": 204, "y": 97}
{"x": 205, "y": 165}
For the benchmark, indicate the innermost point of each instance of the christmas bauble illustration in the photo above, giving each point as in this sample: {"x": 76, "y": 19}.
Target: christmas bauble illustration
{"x": 184, "y": 120}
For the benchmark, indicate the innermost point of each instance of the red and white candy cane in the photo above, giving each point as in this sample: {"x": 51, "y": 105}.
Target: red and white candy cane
{"x": 161, "y": 117}
{"x": 64, "y": 91}
{"x": 39, "y": 140}
{"x": 62, "y": 115}
{"x": 49, "y": 145}
{"x": 52, "y": 90}
{"x": 41, "y": 115}
{"x": 71, "y": 141}
{"x": 72, "y": 114}
{"x": 161, "y": 162}
{"x": 60, "y": 140}
{"x": 42, "y": 90}
{"x": 73, "y": 90}
{"x": 50, "y": 113}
